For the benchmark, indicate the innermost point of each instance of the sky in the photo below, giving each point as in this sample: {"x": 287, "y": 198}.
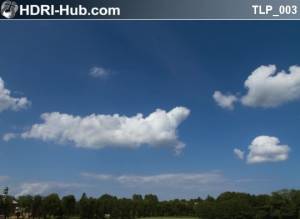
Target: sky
{"x": 180, "y": 109}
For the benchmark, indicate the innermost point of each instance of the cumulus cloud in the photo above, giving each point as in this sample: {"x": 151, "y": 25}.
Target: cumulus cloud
{"x": 99, "y": 72}
{"x": 239, "y": 153}
{"x": 43, "y": 188}
{"x": 8, "y": 102}
{"x": 225, "y": 101}
{"x": 268, "y": 88}
{"x": 99, "y": 131}
{"x": 177, "y": 179}
{"x": 267, "y": 149}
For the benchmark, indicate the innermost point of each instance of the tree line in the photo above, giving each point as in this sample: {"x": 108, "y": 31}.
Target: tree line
{"x": 284, "y": 204}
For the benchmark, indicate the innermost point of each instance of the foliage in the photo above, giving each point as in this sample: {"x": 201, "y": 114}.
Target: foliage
{"x": 284, "y": 204}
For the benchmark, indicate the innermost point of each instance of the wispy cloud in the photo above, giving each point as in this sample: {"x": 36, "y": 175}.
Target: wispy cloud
{"x": 97, "y": 176}
{"x": 99, "y": 72}
{"x": 162, "y": 180}
{"x": 44, "y": 188}
{"x": 3, "y": 178}
{"x": 239, "y": 153}
{"x": 9, "y": 136}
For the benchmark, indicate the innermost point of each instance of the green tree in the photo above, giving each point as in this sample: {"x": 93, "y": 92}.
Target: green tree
{"x": 37, "y": 207}
{"x": 207, "y": 208}
{"x": 69, "y": 205}
{"x": 6, "y": 203}
{"x": 52, "y": 206}
{"x": 25, "y": 203}
{"x": 85, "y": 207}
{"x": 151, "y": 205}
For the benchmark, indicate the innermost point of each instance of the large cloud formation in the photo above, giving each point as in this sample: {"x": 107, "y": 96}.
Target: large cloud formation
{"x": 99, "y": 131}
{"x": 266, "y": 149}
{"x": 8, "y": 102}
{"x": 267, "y": 88}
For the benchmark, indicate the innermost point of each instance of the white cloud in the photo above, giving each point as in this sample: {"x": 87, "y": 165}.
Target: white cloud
{"x": 99, "y": 72}
{"x": 8, "y": 102}
{"x": 225, "y": 101}
{"x": 99, "y": 131}
{"x": 267, "y": 149}
{"x": 43, "y": 188}
{"x": 97, "y": 176}
{"x": 162, "y": 180}
{"x": 178, "y": 179}
{"x": 9, "y": 136}
{"x": 239, "y": 153}
{"x": 266, "y": 88}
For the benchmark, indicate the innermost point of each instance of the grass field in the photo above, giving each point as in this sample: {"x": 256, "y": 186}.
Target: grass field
{"x": 168, "y": 218}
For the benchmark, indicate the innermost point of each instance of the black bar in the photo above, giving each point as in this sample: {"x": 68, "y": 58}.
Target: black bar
{"x": 166, "y": 9}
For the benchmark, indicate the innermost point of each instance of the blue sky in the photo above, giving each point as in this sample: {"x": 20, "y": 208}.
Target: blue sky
{"x": 141, "y": 66}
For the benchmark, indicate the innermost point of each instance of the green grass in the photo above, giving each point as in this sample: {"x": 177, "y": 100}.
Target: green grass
{"x": 168, "y": 217}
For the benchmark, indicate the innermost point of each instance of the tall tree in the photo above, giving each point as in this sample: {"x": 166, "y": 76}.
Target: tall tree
{"x": 69, "y": 205}
{"x": 52, "y": 205}
{"x": 37, "y": 207}
{"x": 25, "y": 203}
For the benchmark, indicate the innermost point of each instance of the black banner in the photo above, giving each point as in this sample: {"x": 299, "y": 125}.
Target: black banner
{"x": 150, "y": 9}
